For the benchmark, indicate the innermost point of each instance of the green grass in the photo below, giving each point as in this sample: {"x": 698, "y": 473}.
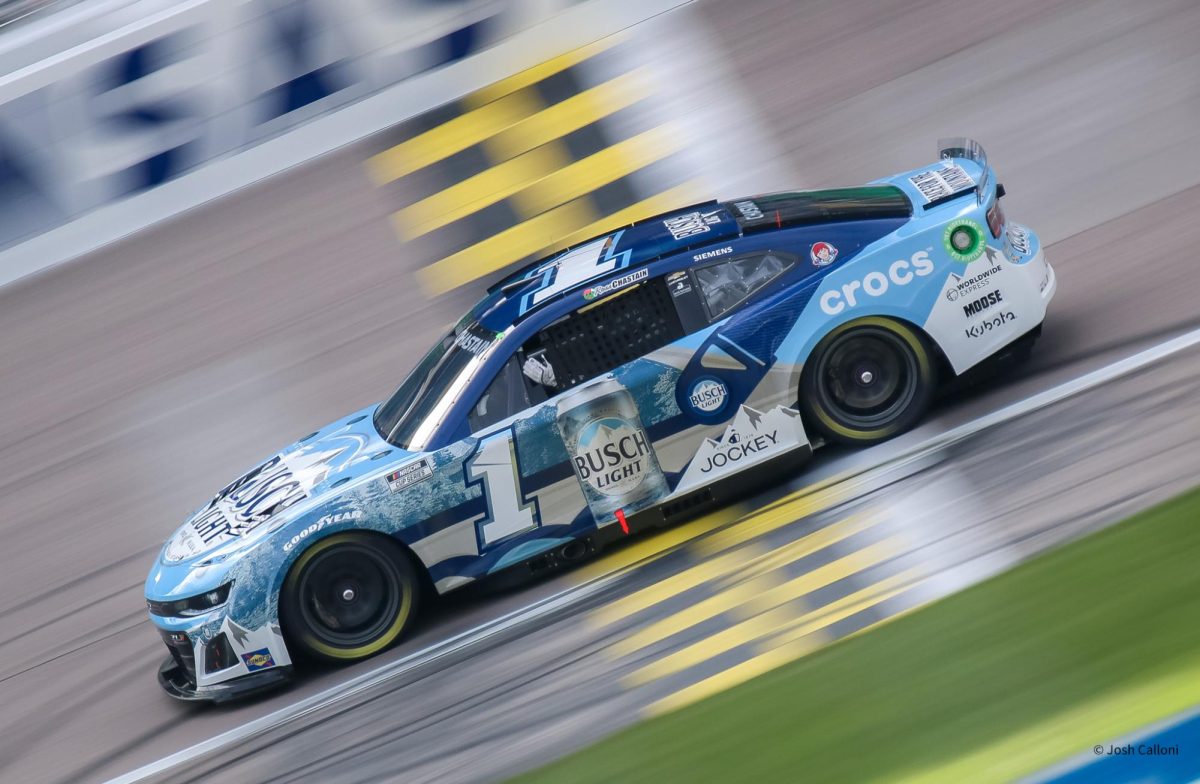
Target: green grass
{"x": 1088, "y": 642}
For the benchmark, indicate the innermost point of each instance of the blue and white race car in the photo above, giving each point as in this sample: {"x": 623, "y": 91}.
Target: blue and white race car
{"x": 628, "y": 382}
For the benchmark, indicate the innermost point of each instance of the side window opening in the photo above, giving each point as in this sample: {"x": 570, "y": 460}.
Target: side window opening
{"x": 505, "y": 396}
{"x": 606, "y": 334}
{"x": 727, "y": 284}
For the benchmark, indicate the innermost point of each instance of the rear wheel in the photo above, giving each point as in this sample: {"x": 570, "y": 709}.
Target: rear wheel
{"x": 868, "y": 381}
{"x": 348, "y": 597}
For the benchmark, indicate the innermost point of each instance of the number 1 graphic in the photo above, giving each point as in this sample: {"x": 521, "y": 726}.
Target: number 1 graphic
{"x": 495, "y": 465}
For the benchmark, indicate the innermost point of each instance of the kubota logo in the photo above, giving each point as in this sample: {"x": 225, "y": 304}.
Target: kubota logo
{"x": 875, "y": 284}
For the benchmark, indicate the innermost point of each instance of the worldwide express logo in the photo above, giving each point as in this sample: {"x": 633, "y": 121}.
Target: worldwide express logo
{"x": 963, "y": 286}
{"x": 875, "y": 284}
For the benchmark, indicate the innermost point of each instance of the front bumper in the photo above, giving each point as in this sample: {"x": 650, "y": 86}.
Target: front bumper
{"x": 214, "y": 658}
{"x": 177, "y": 681}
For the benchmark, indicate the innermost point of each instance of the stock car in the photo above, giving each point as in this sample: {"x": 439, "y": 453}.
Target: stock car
{"x": 625, "y": 383}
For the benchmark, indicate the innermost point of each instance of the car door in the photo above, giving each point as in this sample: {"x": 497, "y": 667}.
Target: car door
{"x": 743, "y": 295}
{"x": 558, "y": 453}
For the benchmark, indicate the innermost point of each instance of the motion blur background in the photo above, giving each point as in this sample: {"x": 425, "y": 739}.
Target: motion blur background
{"x": 223, "y": 222}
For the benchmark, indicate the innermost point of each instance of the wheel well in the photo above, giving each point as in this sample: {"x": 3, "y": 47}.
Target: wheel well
{"x": 944, "y": 369}
{"x": 304, "y": 643}
{"x": 417, "y": 563}
{"x": 941, "y": 366}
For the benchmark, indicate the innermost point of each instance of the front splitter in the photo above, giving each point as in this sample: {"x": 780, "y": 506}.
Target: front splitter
{"x": 175, "y": 682}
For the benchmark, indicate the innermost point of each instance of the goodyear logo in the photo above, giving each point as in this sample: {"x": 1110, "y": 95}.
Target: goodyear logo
{"x": 532, "y": 164}
{"x": 258, "y": 660}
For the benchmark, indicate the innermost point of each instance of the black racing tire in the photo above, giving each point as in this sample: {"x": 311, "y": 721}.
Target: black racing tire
{"x": 348, "y": 597}
{"x": 868, "y": 380}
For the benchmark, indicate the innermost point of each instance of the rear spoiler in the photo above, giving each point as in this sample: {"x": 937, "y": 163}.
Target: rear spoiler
{"x": 962, "y": 147}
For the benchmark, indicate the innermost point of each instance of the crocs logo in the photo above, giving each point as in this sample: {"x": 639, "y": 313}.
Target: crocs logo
{"x": 875, "y": 284}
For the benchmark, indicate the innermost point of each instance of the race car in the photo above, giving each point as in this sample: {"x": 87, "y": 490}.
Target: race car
{"x": 628, "y": 382}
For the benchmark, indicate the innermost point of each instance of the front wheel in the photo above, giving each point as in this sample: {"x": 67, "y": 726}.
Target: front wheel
{"x": 868, "y": 381}
{"x": 348, "y": 597}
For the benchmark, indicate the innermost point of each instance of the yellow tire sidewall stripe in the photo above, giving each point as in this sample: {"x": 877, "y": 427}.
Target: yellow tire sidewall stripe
{"x": 386, "y": 639}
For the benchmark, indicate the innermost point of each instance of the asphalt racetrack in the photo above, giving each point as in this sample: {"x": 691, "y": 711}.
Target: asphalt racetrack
{"x": 137, "y": 380}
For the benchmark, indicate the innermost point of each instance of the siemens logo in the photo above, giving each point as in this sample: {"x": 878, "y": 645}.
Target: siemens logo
{"x": 875, "y": 284}
{"x": 713, "y": 253}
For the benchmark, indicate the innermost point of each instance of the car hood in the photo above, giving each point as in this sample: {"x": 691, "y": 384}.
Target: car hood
{"x": 283, "y": 486}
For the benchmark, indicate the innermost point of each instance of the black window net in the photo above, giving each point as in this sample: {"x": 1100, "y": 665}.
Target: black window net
{"x": 606, "y": 335}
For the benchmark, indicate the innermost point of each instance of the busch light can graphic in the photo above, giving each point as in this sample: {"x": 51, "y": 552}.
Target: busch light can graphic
{"x": 613, "y": 457}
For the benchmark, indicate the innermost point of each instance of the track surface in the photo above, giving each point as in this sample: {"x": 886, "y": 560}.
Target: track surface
{"x": 906, "y": 536}
{"x": 140, "y": 378}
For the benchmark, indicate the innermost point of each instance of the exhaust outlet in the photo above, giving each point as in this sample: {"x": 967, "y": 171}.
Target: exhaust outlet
{"x": 573, "y": 550}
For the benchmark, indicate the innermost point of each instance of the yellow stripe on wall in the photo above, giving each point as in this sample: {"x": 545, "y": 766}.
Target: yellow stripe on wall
{"x": 505, "y": 247}
{"x": 571, "y": 114}
{"x": 450, "y": 137}
{"x": 483, "y": 190}
{"x": 536, "y": 74}
{"x": 597, "y": 170}
{"x": 557, "y": 228}
{"x": 679, "y": 196}
{"x": 537, "y": 180}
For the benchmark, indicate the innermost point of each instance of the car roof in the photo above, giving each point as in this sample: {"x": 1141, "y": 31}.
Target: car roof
{"x": 710, "y": 222}
{"x": 644, "y": 237}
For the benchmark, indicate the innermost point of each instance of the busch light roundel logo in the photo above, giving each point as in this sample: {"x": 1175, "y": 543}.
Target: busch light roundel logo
{"x": 612, "y": 455}
{"x": 708, "y": 395}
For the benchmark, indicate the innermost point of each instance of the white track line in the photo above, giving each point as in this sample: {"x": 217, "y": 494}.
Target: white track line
{"x": 575, "y": 594}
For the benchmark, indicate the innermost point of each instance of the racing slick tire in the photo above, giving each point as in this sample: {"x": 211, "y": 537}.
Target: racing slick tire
{"x": 868, "y": 380}
{"x": 348, "y": 596}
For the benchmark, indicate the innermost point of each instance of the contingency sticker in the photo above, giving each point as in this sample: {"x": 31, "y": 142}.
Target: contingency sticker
{"x": 750, "y": 438}
{"x": 935, "y": 184}
{"x": 691, "y": 223}
{"x": 679, "y": 284}
{"x": 258, "y": 660}
{"x": 410, "y": 474}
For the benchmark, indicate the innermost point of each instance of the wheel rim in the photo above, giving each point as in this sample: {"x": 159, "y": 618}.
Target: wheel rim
{"x": 350, "y": 595}
{"x": 867, "y": 378}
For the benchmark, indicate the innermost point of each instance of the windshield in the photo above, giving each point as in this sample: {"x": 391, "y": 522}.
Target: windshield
{"x": 409, "y": 417}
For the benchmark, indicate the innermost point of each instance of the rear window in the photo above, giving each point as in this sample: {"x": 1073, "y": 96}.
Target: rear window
{"x": 808, "y": 207}
{"x": 727, "y": 284}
